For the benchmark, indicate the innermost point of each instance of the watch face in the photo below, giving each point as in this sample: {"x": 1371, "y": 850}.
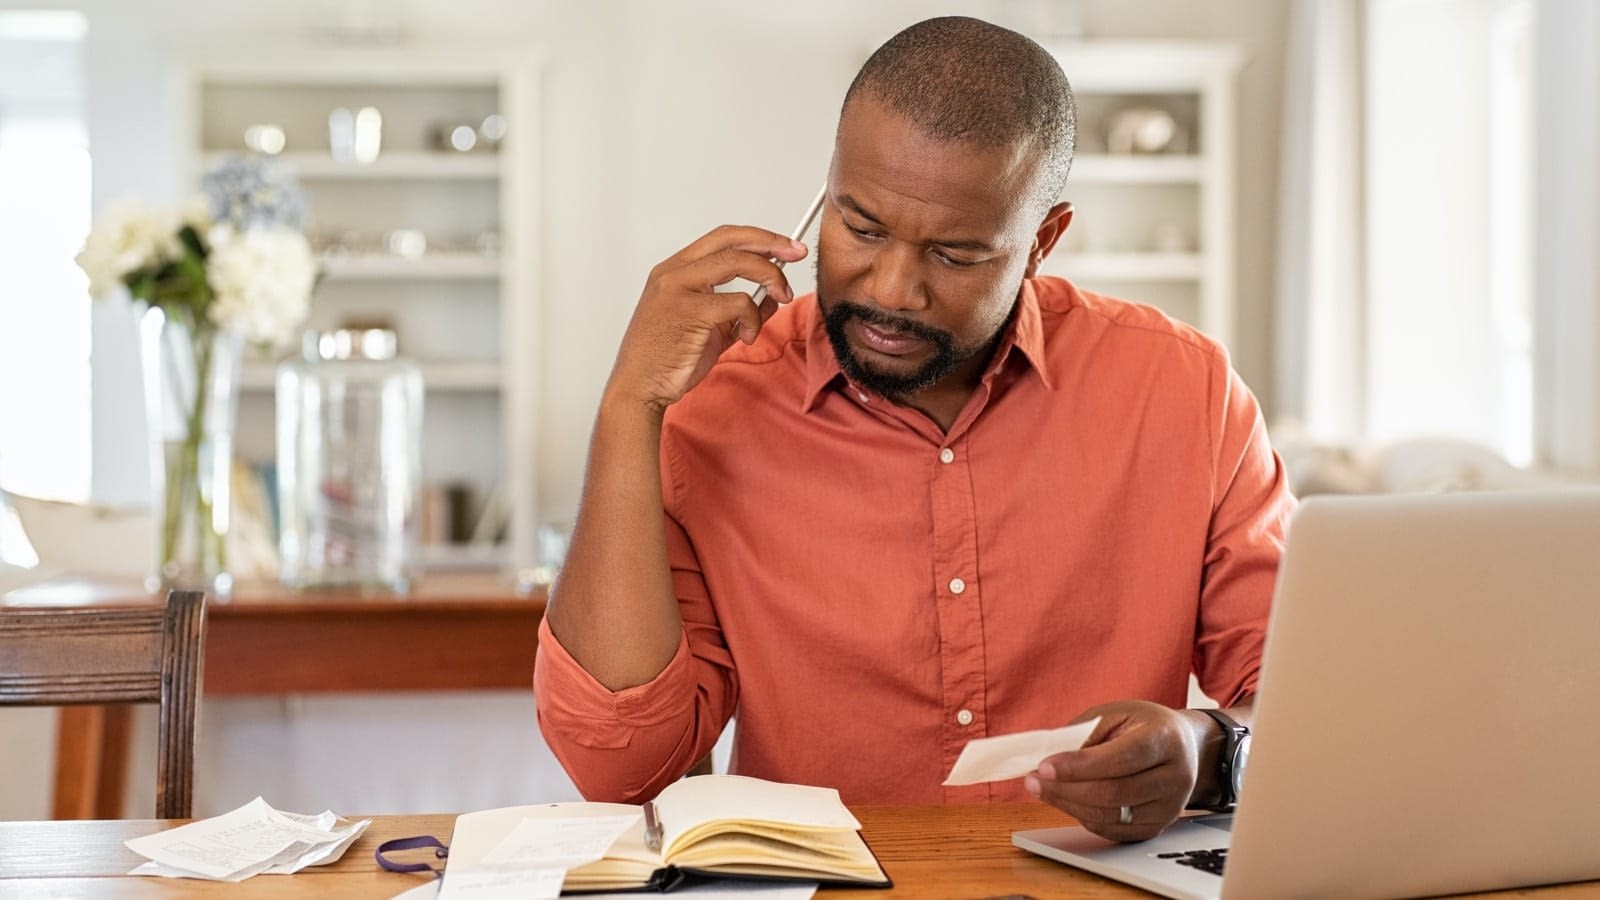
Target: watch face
{"x": 1241, "y": 758}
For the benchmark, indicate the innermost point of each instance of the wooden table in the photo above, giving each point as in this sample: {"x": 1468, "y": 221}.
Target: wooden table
{"x": 458, "y": 633}
{"x": 948, "y": 851}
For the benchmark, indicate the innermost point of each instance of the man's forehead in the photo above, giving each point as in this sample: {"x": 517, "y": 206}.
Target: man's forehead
{"x": 882, "y": 157}
{"x": 869, "y": 130}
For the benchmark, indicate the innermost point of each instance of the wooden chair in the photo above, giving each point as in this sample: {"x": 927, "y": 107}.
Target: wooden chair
{"x": 60, "y": 657}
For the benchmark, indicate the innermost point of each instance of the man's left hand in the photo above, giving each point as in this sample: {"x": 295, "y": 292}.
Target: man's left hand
{"x": 1142, "y": 756}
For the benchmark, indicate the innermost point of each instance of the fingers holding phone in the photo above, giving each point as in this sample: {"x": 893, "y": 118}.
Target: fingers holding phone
{"x": 682, "y": 323}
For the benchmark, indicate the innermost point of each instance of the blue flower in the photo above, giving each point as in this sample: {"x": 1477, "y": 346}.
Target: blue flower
{"x": 254, "y": 192}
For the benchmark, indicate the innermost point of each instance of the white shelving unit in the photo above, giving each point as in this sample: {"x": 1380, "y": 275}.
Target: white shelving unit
{"x": 1157, "y": 228}
{"x": 404, "y": 165}
{"x": 439, "y": 375}
{"x": 438, "y": 266}
{"x": 459, "y": 557}
{"x": 1103, "y": 168}
{"x": 471, "y": 320}
{"x": 1099, "y": 267}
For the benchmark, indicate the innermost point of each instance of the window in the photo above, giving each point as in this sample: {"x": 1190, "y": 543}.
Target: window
{"x": 44, "y": 302}
{"x": 1511, "y": 220}
{"x": 1450, "y": 221}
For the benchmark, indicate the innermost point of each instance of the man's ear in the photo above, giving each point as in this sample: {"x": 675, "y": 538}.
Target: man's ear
{"x": 1050, "y": 230}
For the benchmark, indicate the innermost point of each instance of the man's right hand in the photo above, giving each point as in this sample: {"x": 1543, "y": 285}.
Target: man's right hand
{"x": 682, "y": 324}
{"x": 613, "y": 608}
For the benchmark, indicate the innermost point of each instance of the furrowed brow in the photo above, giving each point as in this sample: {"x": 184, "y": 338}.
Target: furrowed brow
{"x": 974, "y": 246}
{"x": 854, "y": 206}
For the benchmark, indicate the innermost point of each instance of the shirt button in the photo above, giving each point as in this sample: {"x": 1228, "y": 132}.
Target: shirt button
{"x": 957, "y": 585}
{"x": 964, "y": 717}
{"x": 947, "y": 456}
{"x": 863, "y": 397}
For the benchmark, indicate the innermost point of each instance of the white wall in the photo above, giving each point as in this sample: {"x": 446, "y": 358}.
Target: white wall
{"x": 27, "y": 749}
{"x": 661, "y": 120}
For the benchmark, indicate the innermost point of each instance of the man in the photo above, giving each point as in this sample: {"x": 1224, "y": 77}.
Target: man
{"x": 942, "y": 499}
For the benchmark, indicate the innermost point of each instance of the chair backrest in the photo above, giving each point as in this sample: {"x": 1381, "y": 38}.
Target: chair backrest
{"x": 61, "y": 657}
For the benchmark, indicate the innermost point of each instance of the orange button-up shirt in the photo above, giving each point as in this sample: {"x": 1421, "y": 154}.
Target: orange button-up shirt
{"x": 866, "y": 593}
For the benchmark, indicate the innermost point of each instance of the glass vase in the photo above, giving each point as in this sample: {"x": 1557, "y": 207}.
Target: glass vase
{"x": 349, "y": 463}
{"x": 191, "y": 380}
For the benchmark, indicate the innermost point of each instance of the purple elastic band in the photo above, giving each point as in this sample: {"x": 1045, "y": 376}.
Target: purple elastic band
{"x": 411, "y": 843}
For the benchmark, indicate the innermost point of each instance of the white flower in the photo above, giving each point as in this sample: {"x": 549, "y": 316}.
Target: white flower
{"x": 261, "y": 280}
{"x": 129, "y": 237}
{"x": 196, "y": 213}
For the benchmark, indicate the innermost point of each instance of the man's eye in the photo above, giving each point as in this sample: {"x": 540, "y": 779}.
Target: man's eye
{"x": 952, "y": 261}
{"x": 861, "y": 233}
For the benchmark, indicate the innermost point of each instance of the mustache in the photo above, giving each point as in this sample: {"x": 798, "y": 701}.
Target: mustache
{"x": 845, "y": 310}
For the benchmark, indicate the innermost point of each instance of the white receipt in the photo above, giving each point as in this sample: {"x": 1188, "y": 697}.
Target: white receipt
{"x": 250, "y": 840}
{"x": 559, "y": 843}
{"x": 509, "y": 882}
{"x": 1015, "y": 755}
{"x": 315, "y": 849}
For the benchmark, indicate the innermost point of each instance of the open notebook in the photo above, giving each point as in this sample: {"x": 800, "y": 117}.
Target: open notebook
{"x": 712, "y": 826}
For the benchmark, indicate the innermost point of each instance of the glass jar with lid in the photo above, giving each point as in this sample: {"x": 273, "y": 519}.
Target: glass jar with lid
{"x": 349, "y": 462}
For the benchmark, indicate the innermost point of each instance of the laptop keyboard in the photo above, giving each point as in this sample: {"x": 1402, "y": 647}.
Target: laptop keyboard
{"x": 1205, "y": 860}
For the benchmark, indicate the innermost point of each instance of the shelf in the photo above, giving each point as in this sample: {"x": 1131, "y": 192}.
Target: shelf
{"x": 387, "y": 166}
{"x": 461, "y": 376}
{"x": 1130, "y": 266}
{"x": 294, "y": 69}
{"x": 435, "y": 557}
{"x": 1100, "y": 168}
{"x": 435, "y": 267}
{"x": 467, "y": 375}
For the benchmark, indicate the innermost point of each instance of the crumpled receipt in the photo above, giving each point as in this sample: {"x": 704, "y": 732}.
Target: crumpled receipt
{"x": 1015, "y": 755}
{"x": 252, "y": 840}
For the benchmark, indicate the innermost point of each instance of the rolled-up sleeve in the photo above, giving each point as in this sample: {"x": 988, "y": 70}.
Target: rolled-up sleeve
{"x": 625, "y": 746}
{"x": 1251, "y": 503}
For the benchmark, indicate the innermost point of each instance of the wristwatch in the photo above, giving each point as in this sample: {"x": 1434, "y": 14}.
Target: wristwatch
{"x": 1231, "y": 759}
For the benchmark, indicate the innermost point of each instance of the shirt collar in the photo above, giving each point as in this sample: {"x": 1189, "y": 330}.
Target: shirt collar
{"x": 1024, "y": 333}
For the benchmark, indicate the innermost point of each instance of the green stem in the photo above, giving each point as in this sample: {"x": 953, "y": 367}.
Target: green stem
{"x": 182, "y": 473}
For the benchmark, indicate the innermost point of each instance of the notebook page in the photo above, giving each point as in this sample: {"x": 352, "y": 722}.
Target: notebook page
{"x": 560, "y": 843}
{"x": 477, "y": 833}
{"x": 708, "y": 798}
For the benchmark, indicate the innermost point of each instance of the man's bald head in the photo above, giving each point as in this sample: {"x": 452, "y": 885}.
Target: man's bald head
{"x": 962, "y": 79}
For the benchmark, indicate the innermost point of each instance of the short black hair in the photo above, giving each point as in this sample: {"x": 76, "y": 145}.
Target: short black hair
{"x": 962, "y": 79}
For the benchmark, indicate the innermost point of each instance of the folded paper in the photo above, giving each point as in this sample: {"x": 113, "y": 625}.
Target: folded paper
{"x": 1015, "y": 755}
{"x": 252, "y": 840}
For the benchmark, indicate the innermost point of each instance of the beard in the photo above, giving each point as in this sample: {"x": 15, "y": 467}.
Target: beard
{"x": 947, "y": 353}
{"x": 890, "y": 384}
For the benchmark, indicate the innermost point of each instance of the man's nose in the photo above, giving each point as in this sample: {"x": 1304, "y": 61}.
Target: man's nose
{"x": 896, "y": 278}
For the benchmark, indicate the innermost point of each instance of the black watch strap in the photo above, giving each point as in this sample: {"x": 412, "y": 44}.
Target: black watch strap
{"x": 1232, "y": 734}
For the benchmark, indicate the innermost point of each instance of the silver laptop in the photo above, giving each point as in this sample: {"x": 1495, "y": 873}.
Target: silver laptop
{"x": 1428, "y": 719}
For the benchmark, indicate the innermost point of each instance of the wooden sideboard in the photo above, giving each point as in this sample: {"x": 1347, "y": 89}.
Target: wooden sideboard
{"x": 449, "y": 634}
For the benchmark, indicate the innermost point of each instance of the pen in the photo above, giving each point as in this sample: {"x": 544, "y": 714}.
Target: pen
{"x": 652, "y": 827}
{"x": 805, "y": 223}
